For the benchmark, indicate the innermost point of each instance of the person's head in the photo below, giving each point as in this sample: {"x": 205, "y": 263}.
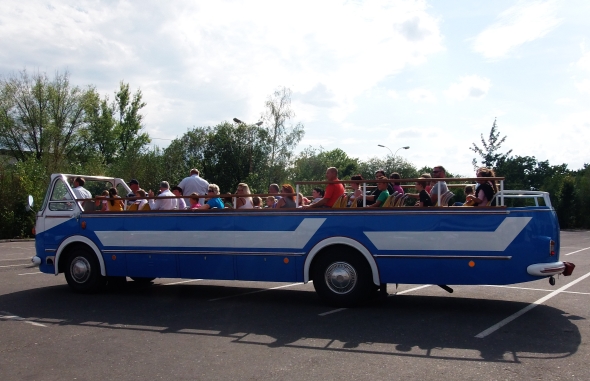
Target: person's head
{"x": 356, "y": 185}
{"x": 141, "y": 193}
{"x": 177, "y": 191}
{"x": 285, "y": 189}
{"x": 468, "y": 190}
{"x": 134, "y": 185}
{"x": 300, "y": 198}
{"x": 194, "y": 198}
{"x": 379, "y": 172}
{"x": 332, "y": 174}
{"x": 273, "y": 189}
{"x": 243, "y": 188}
{"x": 487, "y": 172}
{"x": 317, "y": 193}
{"x": 164, "y": 186}
{"x": 439, "y": 172}
{"x": 382, "y": 186}
{"x": 426, "y": 176}
{"x": 112, "y": 192}
{"x": 194, "y": 171}
{"x": 105, "y": 193}
{"x": 79, "y": 182}
{"x": 213, "y": 190}
{"x": 395, "y": 176}
{"x": 421, "y": 185}
{"x": 256, "y": 201}
{"x": 270, "y": 201}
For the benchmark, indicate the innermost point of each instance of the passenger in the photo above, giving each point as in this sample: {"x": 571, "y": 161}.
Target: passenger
{"x": 246, "y": 201}
{"x": 194, "y": 184}
{"x": 440, "y": 187}
{"x": 114, "y": 204}
{"x": 79, "y": 190}
{"x": 383, "y": 195}
{"x": 213, "y": 202}
{"x": 134, "y": 186}
{"x": 286, "y": 201}
{"x": 468, "y": 191}
{"x": 256, "y": 202}
{"x": 317, "y": 194}
{"x": 381, "y": 172}
{"x": 423, "y": 196}
{"x": 270, "y": 202}
{"x": 485, "y": 190}
{"x": 142, "y": 201}
{"x": 274, "y": 190}
{"x": 165, "y": 203}
{"x": 302, "y": 200}
{"x": 356, "y": 193}
{"x": 396, "y": 185}
{"x": 371, "y": 198}
{"x": 101, "y": 202}
{"x": 177, "y": 191}
{"x": 194, "y": 201}
{"x": 333, "y": 191}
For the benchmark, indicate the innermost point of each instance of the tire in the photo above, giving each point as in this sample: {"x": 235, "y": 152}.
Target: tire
{"x": 82, "y": 270}
{"x": 342, "y": 277}
{"x": 142, "y": 280}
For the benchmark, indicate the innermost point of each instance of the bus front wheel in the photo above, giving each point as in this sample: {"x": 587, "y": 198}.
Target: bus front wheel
{"x": 342, "y": 277}
{"x": 82, "y": 271}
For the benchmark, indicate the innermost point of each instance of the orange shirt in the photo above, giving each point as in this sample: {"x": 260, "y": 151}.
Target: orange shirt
{"x": 333, "y": 191}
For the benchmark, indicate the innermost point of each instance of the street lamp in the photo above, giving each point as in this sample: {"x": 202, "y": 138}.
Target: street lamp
{"x": 406, "y": 147}
{"x": 382, "y": 146}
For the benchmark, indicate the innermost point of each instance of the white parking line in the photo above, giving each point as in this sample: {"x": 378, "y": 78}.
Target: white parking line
{"x": 333, "y": 311}
{"x": 12, "y": 317}
{"x": 510, "y": 318}
{"x": 255, "y": 292}
{"x": 533, "y": 289}
{"x": 183, "y": 281}
{"x": 38, "y": 272}
{"x": 27, "y": 264}
{"x": 16, "y": 259}
{"x": 577, "y": 251}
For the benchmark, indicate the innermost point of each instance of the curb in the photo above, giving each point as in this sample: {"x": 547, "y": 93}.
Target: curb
{"x": 17, "y": 240}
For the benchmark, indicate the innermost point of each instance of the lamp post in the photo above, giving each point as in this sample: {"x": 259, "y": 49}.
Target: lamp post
{"x": 382, "y": 146}
{"x": 406, "y": 147}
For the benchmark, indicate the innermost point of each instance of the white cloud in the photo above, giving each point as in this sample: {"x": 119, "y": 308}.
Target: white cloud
{"x": 584, "y": 62}
{"x": 471, "y": 86}
{"x": 422, "y": 95}
{"x": 584, "y": 86}
{"x": 393, "y": 94}
{"x": 521, "y": 23}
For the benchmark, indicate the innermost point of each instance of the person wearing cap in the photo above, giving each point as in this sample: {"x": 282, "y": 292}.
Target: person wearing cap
{"x": 134, "y": 186}
{"x": 166, "y": 203}
{"x": 194, "y": 184}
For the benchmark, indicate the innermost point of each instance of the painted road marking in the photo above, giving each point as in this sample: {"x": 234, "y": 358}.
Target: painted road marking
{"x": 16, "y": 259}
{"x": 183, "y": 281}
{"x": 8, "y": 316}
{"x": 534, "y": 289}
{"x": 512, "y": 317}
{"x": 28, "y": 264}
{"x": 333, "y": 311}
{"x": 38, "y": 272}
{"x": 255, "y": 292}
{"x": 577, "y": 251}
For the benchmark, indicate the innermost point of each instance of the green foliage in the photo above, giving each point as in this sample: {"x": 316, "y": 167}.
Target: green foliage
{"x": 489, "y": 152}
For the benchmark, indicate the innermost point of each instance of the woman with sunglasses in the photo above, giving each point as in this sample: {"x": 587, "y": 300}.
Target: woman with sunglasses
{"x": 246, "y": 201}
{"x": 486, "y": 190}
{"x": 213, "y": 198}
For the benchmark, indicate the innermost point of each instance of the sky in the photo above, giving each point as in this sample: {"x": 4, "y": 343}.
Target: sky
{"x": 432, "y": 75}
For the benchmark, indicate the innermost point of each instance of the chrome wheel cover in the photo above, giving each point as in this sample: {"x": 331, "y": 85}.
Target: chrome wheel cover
{"x": 340, "y": 278}
{"x": 80, "y": 270}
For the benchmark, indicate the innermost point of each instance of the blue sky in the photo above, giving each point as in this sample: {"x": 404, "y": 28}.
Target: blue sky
{"x": 431, "y": 75}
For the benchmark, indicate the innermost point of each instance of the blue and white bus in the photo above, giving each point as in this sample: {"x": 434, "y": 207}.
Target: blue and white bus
{"x": 348, "y": 253}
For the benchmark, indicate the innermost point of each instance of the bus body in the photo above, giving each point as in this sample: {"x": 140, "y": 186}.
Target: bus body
{"x": 348, "y": 253}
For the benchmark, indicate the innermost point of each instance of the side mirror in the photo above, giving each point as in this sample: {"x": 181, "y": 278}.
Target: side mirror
{"x": 29, "y": 206}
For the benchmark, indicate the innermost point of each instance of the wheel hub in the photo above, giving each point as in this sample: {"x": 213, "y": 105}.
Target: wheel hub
{"x": 80, "y": 269}
{"x": 341, "y": 277}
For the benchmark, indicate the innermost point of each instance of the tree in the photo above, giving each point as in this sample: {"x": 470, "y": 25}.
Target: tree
{"x": 102, "y": 127}
{"x": 283, "y": 139}
{"x": 42, "y": 118}
{"x": 129, "y": 125}
{"x": 490, "y": 150}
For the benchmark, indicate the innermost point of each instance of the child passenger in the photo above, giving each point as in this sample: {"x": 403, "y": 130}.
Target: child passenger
{"x": 194, "y": 201}
{"x": 468, "y": 192}
{"x": 383, "y": 195}
{"x": 422, "y": 194}
{"x": 270, "y": 202}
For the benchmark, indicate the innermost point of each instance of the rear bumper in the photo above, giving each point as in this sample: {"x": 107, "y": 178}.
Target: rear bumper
{"x": 546, "y": 269}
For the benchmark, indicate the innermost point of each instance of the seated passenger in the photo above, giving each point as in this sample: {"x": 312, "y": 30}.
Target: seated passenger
{"x": 356, "y": 190}
{"x": 396, "y": 186}
{"x": 256, "y": 202}
{"x": 165, "y": 203}
{"x": 194, "y": 201}
{"x": 270, "y": 202}
{"x": 142, "y": 201}
{"x": 486, "y": 190}
{"x": 177, "y": 191}
{"x": 246, "y": 201}
{"x": 286, "y": 201}
{"x": 114, "y": 204}
{"x": 317, "y": 194}
{"x": 213, "y": 200}
{"x": 302, "y": 200}
{"x": 468, "y": 191}
{"x": 101, "y": 202}
{"x": 383, "y": 194}
{"x": 374, "y": 195}
{"x": 439, "y": 187}
{"x": 423, "y": 196}
{"x": 274, "y": 190}
{"x": 333, "y": 191}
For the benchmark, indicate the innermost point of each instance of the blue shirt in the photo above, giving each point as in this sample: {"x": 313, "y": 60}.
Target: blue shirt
{"x": 215, "y": 203}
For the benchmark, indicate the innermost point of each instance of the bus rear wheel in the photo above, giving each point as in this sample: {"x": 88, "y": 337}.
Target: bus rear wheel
{"x": 82, "y": 271}
{"x": 342, "y": 277}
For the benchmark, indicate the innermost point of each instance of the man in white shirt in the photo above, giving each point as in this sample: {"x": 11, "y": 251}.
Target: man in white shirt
{"x": 163, "y": 204}
{"x": 79, "y": 190}
{"x": 194, "y": 183}
{"x": 438, "y": 172}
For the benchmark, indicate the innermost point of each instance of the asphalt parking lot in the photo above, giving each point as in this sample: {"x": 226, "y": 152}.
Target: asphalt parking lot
{"x": 180, "y": 329}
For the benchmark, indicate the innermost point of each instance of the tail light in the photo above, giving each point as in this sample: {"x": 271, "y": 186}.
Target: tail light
{"x": 552, "y": 248}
